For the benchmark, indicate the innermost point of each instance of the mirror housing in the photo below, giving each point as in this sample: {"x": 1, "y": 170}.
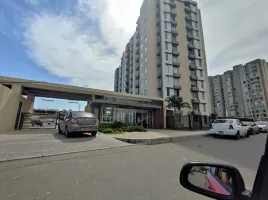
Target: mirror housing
{"x": 238, "y": 185}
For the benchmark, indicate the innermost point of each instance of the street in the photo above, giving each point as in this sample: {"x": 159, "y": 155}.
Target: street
{"x": 127, "y": 172}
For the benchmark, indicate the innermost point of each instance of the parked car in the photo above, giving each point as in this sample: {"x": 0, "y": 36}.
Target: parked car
{"x": 252, "y": 127}
{"x": 230, "y": 127}
{"x": 78, "y": 122}
{"x": 263, "y": 126}
{"x": 35, "y": 120}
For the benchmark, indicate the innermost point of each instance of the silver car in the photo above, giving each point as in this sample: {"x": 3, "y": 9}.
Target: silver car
{"x": 263, "y": 126}
{"x": 78, "y": 122}
{"x": 252, "y": 127}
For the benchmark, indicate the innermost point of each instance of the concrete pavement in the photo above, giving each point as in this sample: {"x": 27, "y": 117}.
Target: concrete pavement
{"x": 133, "y": 172}
{"x": 28, "y": 144}
{"x": 160, "y": 136}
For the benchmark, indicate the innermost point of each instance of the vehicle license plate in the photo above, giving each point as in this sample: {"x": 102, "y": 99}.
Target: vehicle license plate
{"x": 221, "y": 132}
{"x": 87, "y": 129}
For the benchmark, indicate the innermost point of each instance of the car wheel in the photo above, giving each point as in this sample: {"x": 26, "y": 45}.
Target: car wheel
{"x": 237, "y": 135}
{"x": 248, "y": 134}
{"x": 214, "y": 135}
{"x": 94, "y": 133}
{"x": 257, "y": 132}
{"x": 59, "y": 131}
{"x": 67, "y": 133}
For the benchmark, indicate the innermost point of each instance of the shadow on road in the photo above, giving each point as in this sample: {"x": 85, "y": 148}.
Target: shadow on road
{"x": 77, "y": 137}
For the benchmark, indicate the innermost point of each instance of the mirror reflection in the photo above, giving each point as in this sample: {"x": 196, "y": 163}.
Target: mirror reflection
{"x": 214, "y": 179}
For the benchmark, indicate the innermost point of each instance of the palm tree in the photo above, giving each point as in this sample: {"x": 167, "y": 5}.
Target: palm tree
{"x": 177, "y": 102}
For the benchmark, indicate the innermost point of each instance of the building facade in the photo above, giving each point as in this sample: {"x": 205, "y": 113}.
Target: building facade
{"x": 167, "y": 54}
{"x": 245, "y": 91}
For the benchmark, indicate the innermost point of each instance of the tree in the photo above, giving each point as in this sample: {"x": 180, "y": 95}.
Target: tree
{"x": 177, "y": 102}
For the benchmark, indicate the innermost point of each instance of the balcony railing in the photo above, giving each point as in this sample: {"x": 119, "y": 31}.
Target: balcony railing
{"x": 176, "y": 63}
{"x": 159, "y": 86}
{"x": 176, "y": 74}
{"x": 189, "y": 26}
{"x": 187, "y": 9}
{"x": 158, "y": 53}
{"x": 173, "y": 12}
{"x": 194, "y": 77}
{"x": 173, "y": 21}
{"x": 192, "y": 66}
{"x": 159, "y": 74}
{"x": 187, "y": 17}
{"x": 178, "y": 87}
{"x": 192, "y": 56}
{"x": 194, "y": 89}
{"x": 175, "y": 53}
{"x": 158, "y": 64}
{"x": 191, "y": 45}
{"x": 190, "y": 35}
{"x": 194, "y": 100}
{"x": 175, "y": 42}
{"x": 174, "y": 32}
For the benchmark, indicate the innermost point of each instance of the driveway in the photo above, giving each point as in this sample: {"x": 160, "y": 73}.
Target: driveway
{"x": 38, "y": 143}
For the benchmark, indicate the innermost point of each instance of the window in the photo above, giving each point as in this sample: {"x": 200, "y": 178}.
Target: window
{"x": 165, "y": 24}
{"x": 166, "y": 35}
{"x": 145, "y": 39}
{"x": 203, "y": 95}
{"x": 145, "y": 92}
{"x": 141, "y": 55}
{"x": 145, "y": 81}
{"x": 201, "y": 73}
{"x": 145, "y": 49}
{"x": 141, "y": 46}
{"x": 166, "y": 45}
{"x": 204, "y": 108}
{"x": 168, "y": 94}
{"x": 145, "y": 60}
{"x": 199, "y": 53}
{"x": 202, "y": 84}
{"x": 166, "y": 57}
{"x": 165, "y": 15}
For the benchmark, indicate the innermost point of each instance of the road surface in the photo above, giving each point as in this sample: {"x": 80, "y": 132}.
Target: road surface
{"x": 133, "y": 172}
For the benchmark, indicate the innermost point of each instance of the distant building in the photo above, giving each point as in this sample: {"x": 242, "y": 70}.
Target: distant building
{"x": 245, "y": 91}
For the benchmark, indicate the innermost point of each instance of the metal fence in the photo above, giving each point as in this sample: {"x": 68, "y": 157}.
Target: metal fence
{"x": 191, "y": 122}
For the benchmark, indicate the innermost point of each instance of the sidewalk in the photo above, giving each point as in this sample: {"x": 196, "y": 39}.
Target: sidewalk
{"x": 160, "y": 136}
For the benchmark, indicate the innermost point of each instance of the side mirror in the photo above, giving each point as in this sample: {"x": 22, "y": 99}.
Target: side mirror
{"x": 244, "y": 125}
{"x": 222, "y": 182}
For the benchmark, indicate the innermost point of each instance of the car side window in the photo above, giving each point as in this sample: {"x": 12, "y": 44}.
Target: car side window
{"x": 238, "y": 123}
{"x": 66, "y": 116}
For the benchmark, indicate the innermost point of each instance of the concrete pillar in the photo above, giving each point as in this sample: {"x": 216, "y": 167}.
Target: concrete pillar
{"x": 31, "y": 98}
{"x": 88, "y": 108}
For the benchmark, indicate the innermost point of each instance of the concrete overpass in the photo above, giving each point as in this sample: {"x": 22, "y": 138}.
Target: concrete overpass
{"x": 12, "y": 102}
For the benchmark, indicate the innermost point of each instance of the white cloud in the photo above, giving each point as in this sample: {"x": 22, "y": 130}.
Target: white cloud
{"x": 71, "y": 46}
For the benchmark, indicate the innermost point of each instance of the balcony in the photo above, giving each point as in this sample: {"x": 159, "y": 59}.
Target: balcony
{"x": 191, "y": 45}
{"x": 174, "y": 32}
{"x": 158, "y": 32}
{"x": 159, "y": 86}
{"x": 175, "y": 53}
{"x": 189, "y": 26}
{"x": 158, "y": 42}
{"x": 194, "y": 77}
{"x": 188, "y": 9}
{"x": 192, "y": 66}
{"x": 192, "y": 56}
{"x": 137, "y": 43}
{"x": 137, "y": 67}
{"x": 172, "y": 21}
{"x": 158, "y": 64}
{"x": 194, "y": 89}
{"x": 187, "y": 17}
{"x": 196, "y": 112}
{"x": 158, "y": 53}
{"x": 137, "y": 84}
{"x": 176, "y": 74}
{"x": 137, "y": 59}
{"x": 177, "y": 87}
{"x": 137, "y": 51}
{"x": 174, "y": 41}
{"x": 173, "y": 12}
{"x": 194, "y": 100}
{"x": 159, "y": 74}
{"x": 158, "y": 22}
{"x": 190, "y": 35}
{"x": 137, "y": 76}
{"x": 176, "y": 63}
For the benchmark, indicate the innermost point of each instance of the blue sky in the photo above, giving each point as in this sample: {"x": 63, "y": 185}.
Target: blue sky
{"x": 80, "y": 42}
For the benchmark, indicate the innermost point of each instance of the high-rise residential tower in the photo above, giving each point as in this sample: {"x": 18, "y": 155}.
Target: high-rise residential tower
{"x": 166, "y": 54}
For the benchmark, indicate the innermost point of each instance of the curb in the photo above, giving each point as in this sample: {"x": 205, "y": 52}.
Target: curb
{"x": 56, "y": 154}
{"x": 163, "y": 140}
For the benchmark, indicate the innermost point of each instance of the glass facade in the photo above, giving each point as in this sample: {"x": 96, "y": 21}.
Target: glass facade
{"x": 111, "y": 114}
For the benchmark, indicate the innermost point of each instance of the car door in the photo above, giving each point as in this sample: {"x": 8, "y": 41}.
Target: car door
{"x": 64, "y": 122}
{"x": 242, "y": 129}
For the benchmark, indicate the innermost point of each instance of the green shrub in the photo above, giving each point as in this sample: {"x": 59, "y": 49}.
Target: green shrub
{"x": 136, "y": 129}
{"x": 106, "y": 130}
{"x": 131, "y": 129}
{"x": 103, "y": 125}
{"x": 117, "y": 125}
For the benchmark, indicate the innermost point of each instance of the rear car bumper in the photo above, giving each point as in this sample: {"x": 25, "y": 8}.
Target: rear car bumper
{"x": 263, "y": 130}
{"x": 87, "y": 129}
{"x": 223, "y": 132}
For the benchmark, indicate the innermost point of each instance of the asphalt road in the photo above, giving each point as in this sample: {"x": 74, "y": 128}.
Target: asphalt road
{"x": 131, "y": 172}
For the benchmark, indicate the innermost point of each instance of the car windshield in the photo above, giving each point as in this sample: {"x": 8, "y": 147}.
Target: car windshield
{"x": 82, "y": 114}
{"x": 261, "y": 123}
{"x": 229, "y": 121}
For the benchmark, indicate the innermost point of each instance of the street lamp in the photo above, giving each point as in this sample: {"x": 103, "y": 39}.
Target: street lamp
{"x": 76, "y": 103}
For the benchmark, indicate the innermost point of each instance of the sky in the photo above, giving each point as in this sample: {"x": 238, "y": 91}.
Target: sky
{"x": 80, "y": 42}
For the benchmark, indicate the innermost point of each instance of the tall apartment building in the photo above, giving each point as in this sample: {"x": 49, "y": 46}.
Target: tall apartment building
{"x": 166, "y": 54}
{"x": 116, "y": 80}
{"x": 217, "y": 99}
{"x": 245, "y": 91}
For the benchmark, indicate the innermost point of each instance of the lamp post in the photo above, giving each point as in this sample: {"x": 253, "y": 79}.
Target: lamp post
{"x": 76, "y": 103}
